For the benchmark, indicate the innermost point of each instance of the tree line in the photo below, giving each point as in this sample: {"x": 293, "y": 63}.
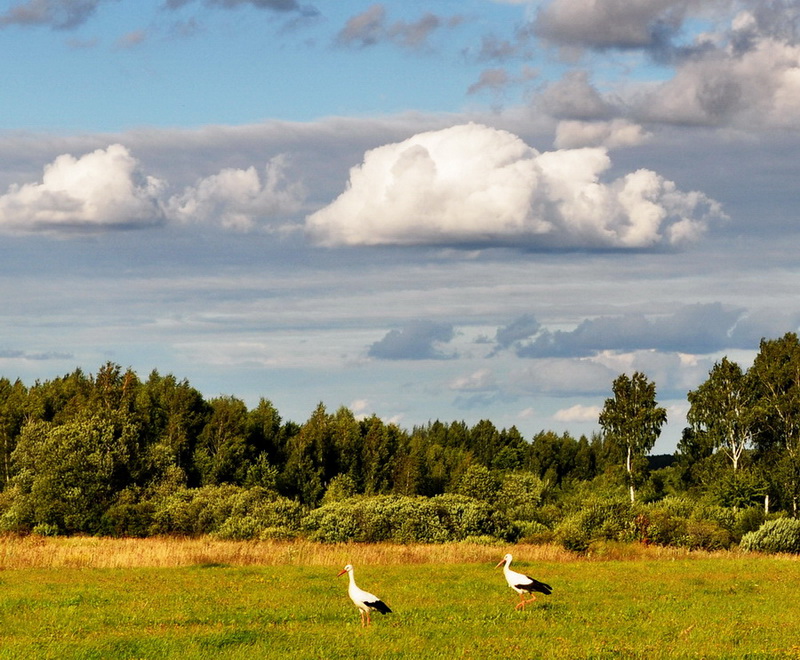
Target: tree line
{"x": 112, "y": 453}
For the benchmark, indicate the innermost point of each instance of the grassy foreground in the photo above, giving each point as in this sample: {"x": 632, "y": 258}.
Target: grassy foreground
{"x": 107, "y": 599}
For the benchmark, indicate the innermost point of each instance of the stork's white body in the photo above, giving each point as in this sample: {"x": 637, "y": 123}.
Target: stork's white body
{"x": 522, "y": 584}
{"x": 363, "y": 600}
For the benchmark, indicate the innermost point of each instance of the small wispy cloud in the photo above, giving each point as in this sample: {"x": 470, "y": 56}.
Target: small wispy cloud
{"x": 372, "y": 27}
{"x": 56, "y": 14}
{"x": 131, "y": 39}
{"x": 577, "y": 413}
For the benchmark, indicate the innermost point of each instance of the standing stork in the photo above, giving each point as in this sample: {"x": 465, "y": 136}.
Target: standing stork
{"x": 522, "y": 584}
{"x": 364, "y": 601}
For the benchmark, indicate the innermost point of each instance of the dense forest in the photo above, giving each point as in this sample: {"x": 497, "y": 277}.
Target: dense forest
{"x": 115, "y": 454}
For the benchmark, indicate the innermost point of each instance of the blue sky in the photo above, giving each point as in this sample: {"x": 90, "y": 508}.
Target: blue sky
{"x": 461, "y": 210}
{"x": 139, "y": 64}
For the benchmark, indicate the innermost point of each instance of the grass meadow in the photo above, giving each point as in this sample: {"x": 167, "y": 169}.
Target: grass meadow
{"x": 200, "y": 598}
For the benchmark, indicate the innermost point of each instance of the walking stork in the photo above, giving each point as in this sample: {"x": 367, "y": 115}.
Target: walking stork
{"x": 522, "y": 584}
{"x": 364, "y": 601}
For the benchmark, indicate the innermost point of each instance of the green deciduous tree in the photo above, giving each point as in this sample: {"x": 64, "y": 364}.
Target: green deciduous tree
{"x": 173, "y": 414}
{"x": 310, "y": 459}
{"x": 552, "y": 456}
{"x": 13, "y": 410}
{"x": 266, "y": 433}
{"x": 721, "y": 409}
{"x": 633, "y": 420}
{"x": 382, "y": 455}
{"x": 68, "y": 474}
{"x": 775, "y": 375}
{"x": 222, "y": 454}
{"x": 348, "y": 445}
{"x": 478, "y": 482}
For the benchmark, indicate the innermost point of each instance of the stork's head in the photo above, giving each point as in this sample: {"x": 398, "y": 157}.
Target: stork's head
{"x": 504, "y": 560}
{"x": 346, "y": 569}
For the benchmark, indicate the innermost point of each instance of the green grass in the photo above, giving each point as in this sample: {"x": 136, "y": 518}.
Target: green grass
{"x": 693, "y": 608}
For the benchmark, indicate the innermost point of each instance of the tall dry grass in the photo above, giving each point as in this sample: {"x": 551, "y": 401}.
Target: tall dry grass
{"x": 17, "y": 552}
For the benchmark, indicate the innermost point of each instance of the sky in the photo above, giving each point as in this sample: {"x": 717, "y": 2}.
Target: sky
{"x": 460, "y": 210}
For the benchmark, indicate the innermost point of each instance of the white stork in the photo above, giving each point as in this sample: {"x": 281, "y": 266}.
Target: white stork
{"x": 522, "y": 584}
{"x": 363, "y": 600}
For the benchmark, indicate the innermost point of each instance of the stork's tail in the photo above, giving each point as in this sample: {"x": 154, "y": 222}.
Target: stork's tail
{"x": 380, "y": 606}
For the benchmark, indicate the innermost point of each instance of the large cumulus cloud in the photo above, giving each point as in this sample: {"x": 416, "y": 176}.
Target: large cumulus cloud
{"x": 475, "y": 185}
{"x": 108, "y": 189}
{"x": 104, "y": 188}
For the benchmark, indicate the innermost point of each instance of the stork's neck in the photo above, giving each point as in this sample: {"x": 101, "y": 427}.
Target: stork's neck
{"x": 352, "y": 579}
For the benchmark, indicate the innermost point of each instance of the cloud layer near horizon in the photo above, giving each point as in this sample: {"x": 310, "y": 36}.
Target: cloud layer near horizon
{"x": 468, "y": 185}
{"x": 476, "y": 185}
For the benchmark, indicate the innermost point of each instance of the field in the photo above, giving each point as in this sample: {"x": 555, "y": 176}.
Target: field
{"x": 166, "y": 598}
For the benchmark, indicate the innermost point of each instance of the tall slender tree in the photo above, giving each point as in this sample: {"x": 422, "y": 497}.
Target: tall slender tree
{"x": 776, "y": 380}
{"x": 13, "y": 411}
{"x": 633, "y": 419}
{"x": 721, "y": 409}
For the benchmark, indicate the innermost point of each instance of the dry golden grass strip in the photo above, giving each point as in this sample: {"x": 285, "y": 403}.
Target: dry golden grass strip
{"x": 90, "y": 552}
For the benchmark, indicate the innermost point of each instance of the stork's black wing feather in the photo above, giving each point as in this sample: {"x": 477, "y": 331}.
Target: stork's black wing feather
{"x": 379, "y": 606}
{"x": 535, "y": 585}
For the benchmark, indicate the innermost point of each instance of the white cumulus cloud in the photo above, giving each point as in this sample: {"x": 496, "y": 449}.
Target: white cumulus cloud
{"x": 107, "y": 189}
{"x": 238, "y": 198}
{"x": 101, "y": 189}
{"x": 475, "y": 185}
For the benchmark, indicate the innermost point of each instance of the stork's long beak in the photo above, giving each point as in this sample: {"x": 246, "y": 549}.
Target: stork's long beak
{"x": 342, "y": 572}
{"x": 502, "y": 561}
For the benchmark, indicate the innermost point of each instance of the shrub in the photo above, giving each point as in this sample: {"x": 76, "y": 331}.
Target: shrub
{"x": 682, "y": 523}
{"x": 227, "y": 511}
{"x": 749, "y": 520}
{"x": 194, "y": 511}
{"x": 406, "y": 520}
{"x": 781, "y": 535}
{"x": 521, "y": 495}
{"x": 341, "y": 487}
{"x": 478, "y": 482}
{"x": 677, "y": 506}
{"x": 532, "y": 532}
{"x": 723, "y": 516}
{"x": 599, "y": 519}
{"x": 572, "y": 534}
{"x": 128, "y": 515}
{"x": 43, "y": 529}
{"x": 706, "y": 535}
{"x": 238, "y": 529}
{"x": 662, "y": 527}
